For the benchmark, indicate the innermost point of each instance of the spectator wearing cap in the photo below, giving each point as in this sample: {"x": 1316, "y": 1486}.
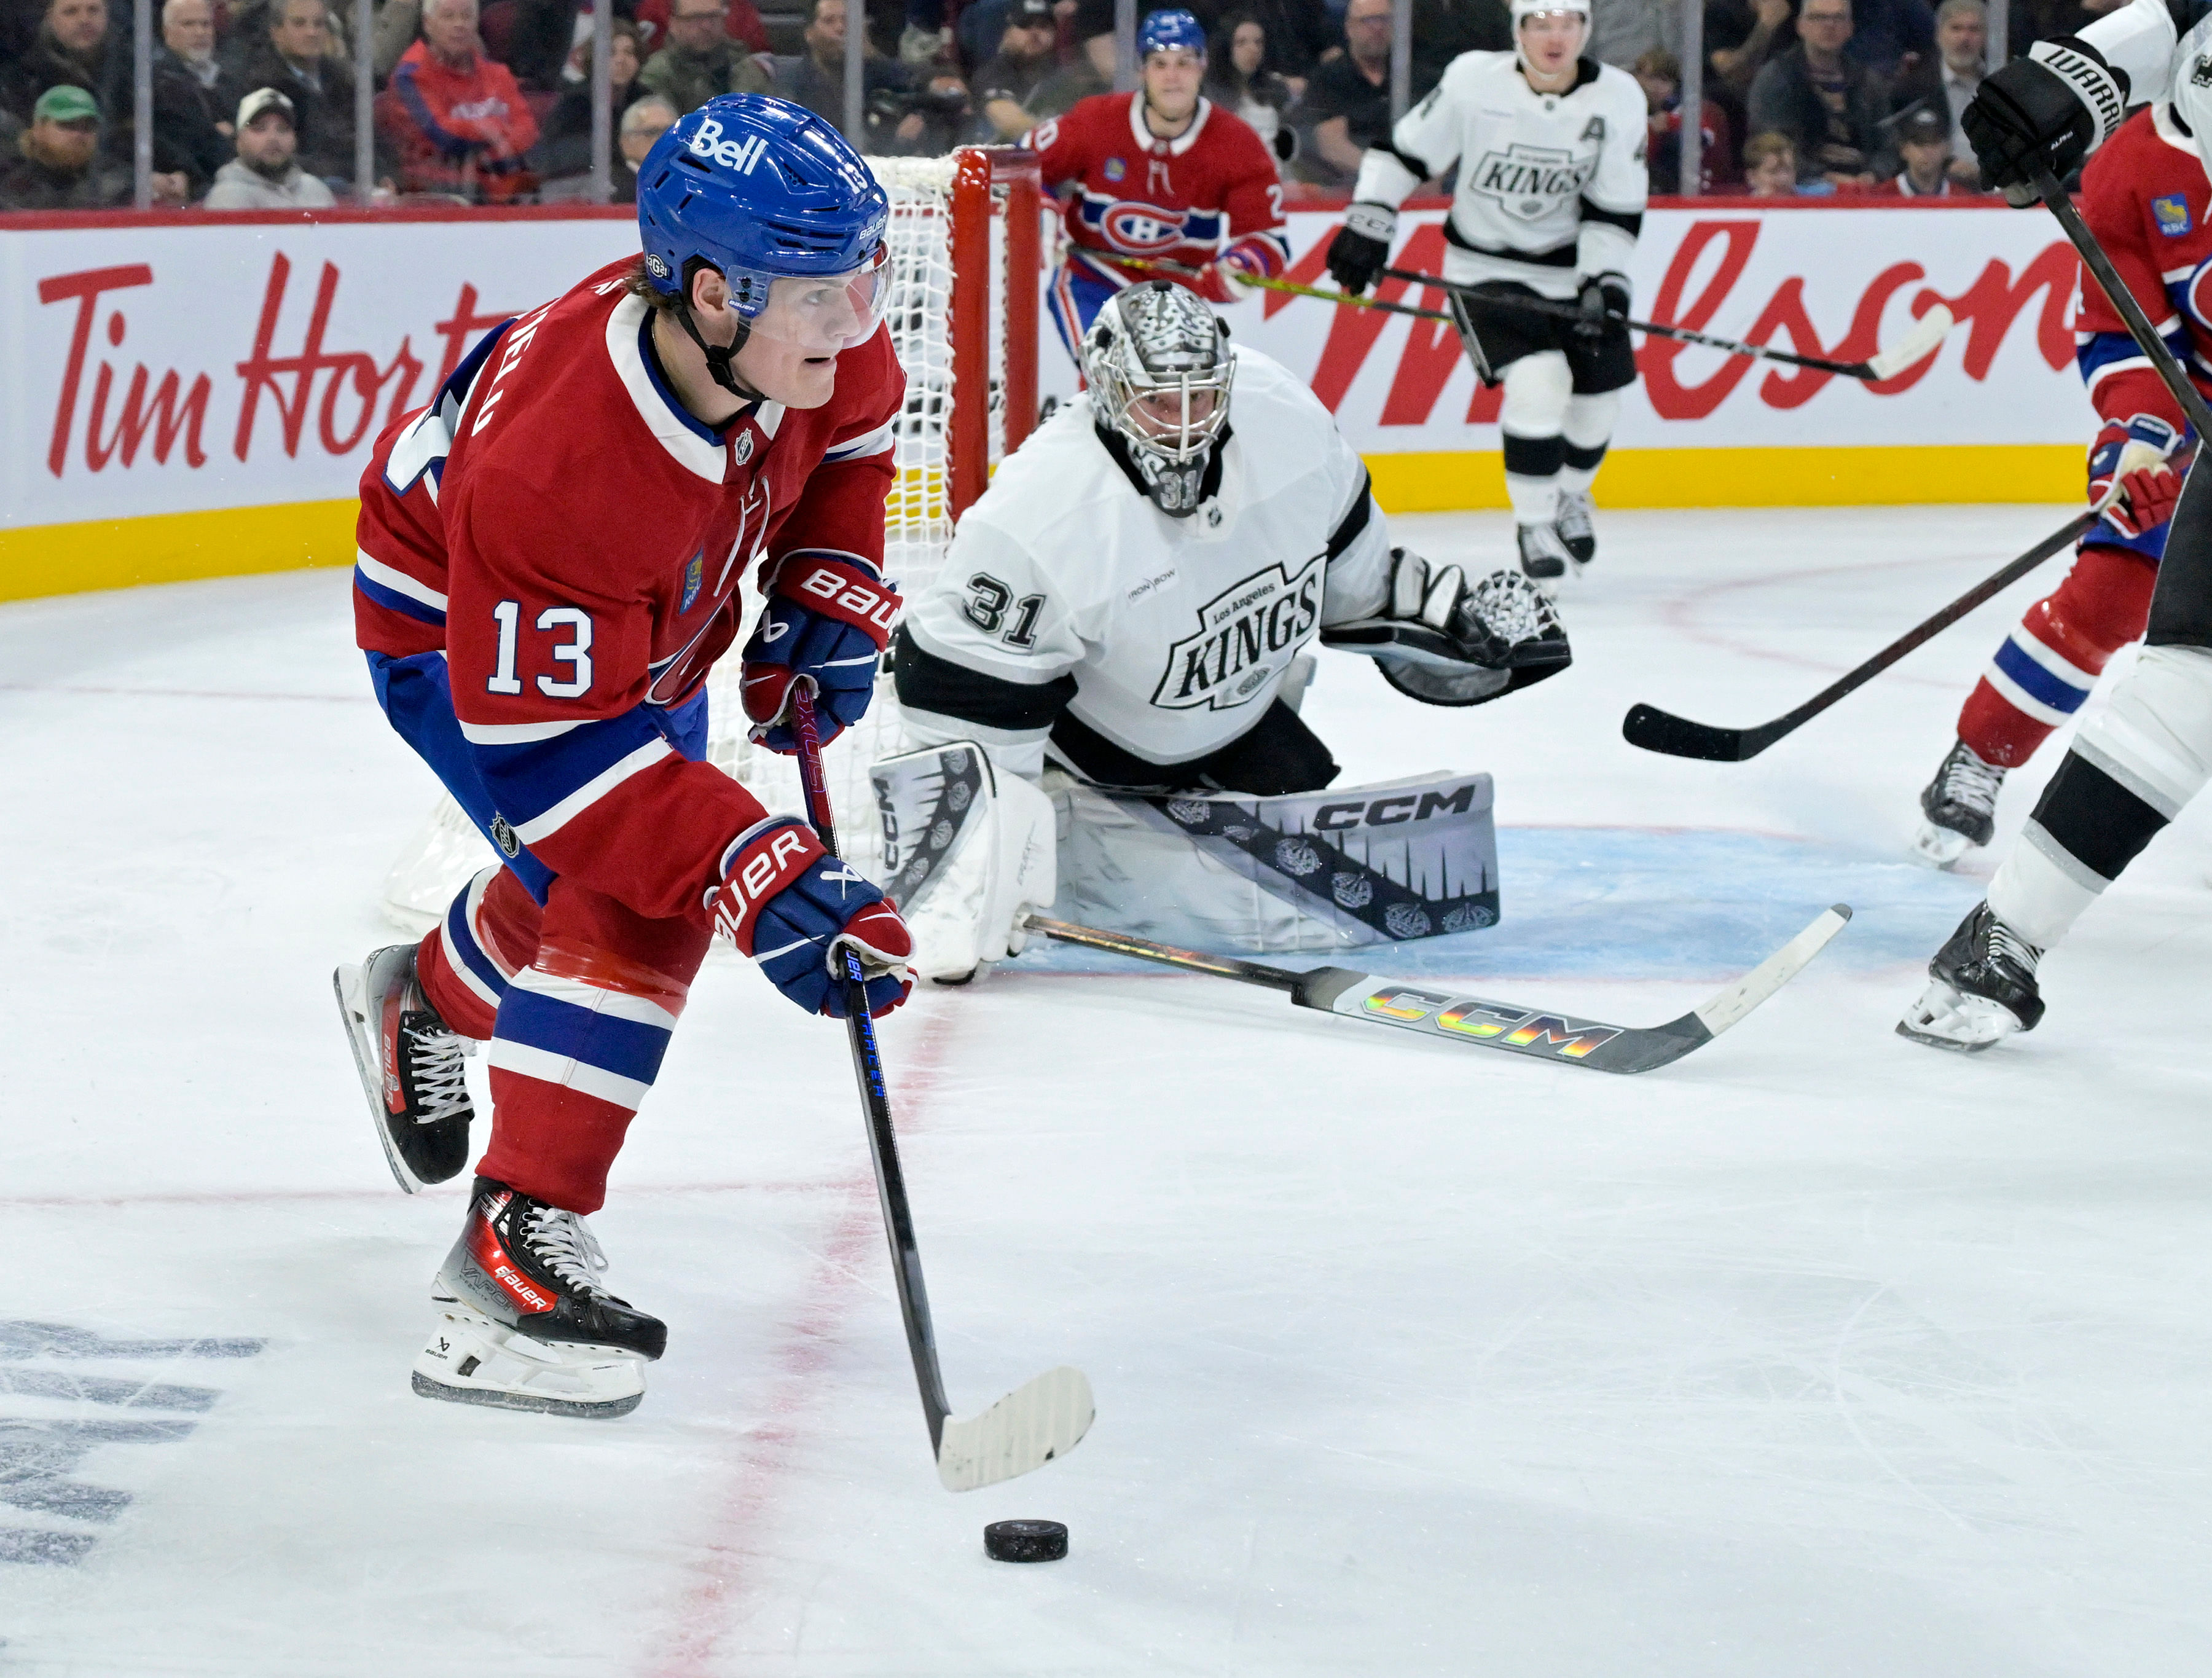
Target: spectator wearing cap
{"x": 1829, "y": 107}
{"x": 195, "y": 97}
{"x": 58, "y": 165}
{"x": 700, "y": 59}
{"x": 1948, "y": 79}
{"x": 1028, "y": 52}
{"x": 461, "y": 123}
{"x": 1923, "y": 145}
{"x": 266, "y": 173}
{"x": 294, "y": 56}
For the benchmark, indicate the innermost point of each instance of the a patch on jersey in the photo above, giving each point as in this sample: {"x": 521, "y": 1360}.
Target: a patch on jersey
{"x": 503, "y": 836}
{"x": 744, "y": 451}
{"x": 2171, "y": 211}
{"x": 1246, "y": 635}
{"x": 1114, "y": 168}
{"x": 1528, "y": 182}
{"x": 2202, "y": 76}
{"x": 695, "y": 574}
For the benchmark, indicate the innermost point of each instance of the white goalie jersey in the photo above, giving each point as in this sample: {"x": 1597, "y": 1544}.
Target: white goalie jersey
{"x": 1552, "y": 186}
{"x": 1069, "y": 600}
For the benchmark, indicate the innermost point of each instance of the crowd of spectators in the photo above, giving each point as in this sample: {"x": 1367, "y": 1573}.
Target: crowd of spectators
{"x": 489, "y": 100}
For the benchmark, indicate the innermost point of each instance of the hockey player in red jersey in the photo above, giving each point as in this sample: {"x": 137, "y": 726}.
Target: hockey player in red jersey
{"x": 1163, "y": 175}
{"x": 549, "y": 557}
{"x": 2146, "y": 197}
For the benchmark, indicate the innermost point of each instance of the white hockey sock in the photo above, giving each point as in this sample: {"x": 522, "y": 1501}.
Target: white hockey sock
{"x": 1539, "y": 390}
{"x": 1588, "y": 430}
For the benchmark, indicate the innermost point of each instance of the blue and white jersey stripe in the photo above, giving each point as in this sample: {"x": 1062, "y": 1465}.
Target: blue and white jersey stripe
{"x": 394, "y": 590}
{"x": 606, "y": 1044}
{"x": 544, "y": 775}
{"x": 2043, "y": 684}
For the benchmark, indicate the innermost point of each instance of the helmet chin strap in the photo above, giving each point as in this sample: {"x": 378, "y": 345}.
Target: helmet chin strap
{"x": 720, "y": 356}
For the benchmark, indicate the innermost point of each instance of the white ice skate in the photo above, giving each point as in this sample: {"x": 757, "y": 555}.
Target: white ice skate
{"x": 471, "y": 1359}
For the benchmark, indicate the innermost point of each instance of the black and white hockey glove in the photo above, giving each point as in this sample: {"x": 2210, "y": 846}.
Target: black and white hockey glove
{"x": 1603, "y": 302}
{"x": 1444, "y": 643}
{"x": 2055, "y": 106}
{"x": 1361, "y": 249}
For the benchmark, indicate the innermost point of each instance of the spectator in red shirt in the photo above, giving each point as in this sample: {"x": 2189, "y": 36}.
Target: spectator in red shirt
{"x": 1659, "y": 72}
{"x": 461, "y": 120}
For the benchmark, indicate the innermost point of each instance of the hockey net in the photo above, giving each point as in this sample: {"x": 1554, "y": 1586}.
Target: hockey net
{"x": 966, "y": 252}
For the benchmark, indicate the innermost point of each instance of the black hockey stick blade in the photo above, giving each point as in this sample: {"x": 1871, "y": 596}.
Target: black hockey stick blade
{"x": 1040, "y": 1419}
{"x": 1655, "y": 730}
{"x": 1457, "y": 1017}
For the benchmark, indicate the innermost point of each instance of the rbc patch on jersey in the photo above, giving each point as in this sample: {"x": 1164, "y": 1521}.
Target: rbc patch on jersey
{"x": 694, "y": 575}
{"x": 1115, "y": 169}
{"x": 2171, "y": 213}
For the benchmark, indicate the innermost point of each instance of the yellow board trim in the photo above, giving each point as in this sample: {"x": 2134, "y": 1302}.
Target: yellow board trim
{"x": 1884, "y": 477}
{"x": 181, "y": 547}
{"x": 173, "y": 547}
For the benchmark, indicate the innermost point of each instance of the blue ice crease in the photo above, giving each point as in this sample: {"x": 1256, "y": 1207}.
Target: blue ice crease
{"x": 1640, "y": 903}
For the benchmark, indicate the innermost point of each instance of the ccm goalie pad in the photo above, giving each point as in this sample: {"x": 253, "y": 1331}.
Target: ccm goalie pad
{"x": 968, "y": 851}
{"x": 1313, "y": 870}
{"x": 1444, "y": 643}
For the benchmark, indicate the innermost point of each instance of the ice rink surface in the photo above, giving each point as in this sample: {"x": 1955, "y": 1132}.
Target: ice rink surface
{"x": 1816, "y": 1354}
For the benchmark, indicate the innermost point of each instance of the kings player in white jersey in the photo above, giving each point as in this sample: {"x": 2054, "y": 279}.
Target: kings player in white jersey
{"x": 1550, "y": 148}
{"x": 1130, "y": 600}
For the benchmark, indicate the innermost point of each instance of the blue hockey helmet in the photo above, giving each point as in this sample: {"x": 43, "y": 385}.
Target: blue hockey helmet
{"x": 771, "y": 198}
{"x": 1164, "y": 30}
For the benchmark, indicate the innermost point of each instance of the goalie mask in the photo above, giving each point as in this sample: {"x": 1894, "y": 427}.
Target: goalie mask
{"x": 1159, "y": 366}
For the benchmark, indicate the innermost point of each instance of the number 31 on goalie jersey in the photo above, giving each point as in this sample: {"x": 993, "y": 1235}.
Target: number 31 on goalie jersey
{"x": 575, "y": 652}
{"x": 986, "y": 608}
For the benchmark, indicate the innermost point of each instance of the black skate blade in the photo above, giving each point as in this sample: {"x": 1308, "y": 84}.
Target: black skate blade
{"x": 426, "y": 1387}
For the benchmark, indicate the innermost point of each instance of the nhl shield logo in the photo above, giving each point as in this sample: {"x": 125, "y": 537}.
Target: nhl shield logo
{"x": 744, "y": 447}
{"x": 503, "y": 836}
{"x": 694, "y": 575}
{"x": 2170, "y": 212}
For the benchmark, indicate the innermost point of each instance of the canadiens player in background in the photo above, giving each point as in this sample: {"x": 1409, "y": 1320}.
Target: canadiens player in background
{"x": 1549, "y": 145}
{"x": 1131, "y": 601}
{"x": 2134, "y": 764}
{"x": 2146, "y": 197}
{"x": 1162, "y": 174}
{"x": 550, "y": 560}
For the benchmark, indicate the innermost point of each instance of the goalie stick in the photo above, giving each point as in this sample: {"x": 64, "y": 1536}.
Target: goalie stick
{"x": 1039, "y": 1419}
{"x": 1456, "y": 1017}
{"x": 1655, "y": 730}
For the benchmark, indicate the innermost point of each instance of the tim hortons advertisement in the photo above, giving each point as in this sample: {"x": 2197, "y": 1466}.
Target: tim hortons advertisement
{"x": 176, "y": 370}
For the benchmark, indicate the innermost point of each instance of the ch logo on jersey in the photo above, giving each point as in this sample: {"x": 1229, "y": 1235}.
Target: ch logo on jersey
{"x": 2170, "y": 212}
{"x": 739, "y": 156}
{"x": 2196, "y": 294}
{"x": 1246, "y": 634}
{"x": 1146, "y": 229}
{"x": 1527, "y": 182}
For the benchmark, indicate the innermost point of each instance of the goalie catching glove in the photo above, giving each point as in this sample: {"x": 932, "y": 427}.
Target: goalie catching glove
{"x": 795, "y": 909}
{"x": 1444, "y": 643}
{"x": 827, "y": 618}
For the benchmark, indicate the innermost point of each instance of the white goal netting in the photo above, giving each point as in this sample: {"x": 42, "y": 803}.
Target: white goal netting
{"x": 917, "y": 528}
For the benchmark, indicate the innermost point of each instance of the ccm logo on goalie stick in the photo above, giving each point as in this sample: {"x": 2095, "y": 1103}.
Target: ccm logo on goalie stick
{"x": 1508, "y": 1026}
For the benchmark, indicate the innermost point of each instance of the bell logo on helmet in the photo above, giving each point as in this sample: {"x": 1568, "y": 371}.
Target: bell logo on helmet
{"x": 737, "y": 155}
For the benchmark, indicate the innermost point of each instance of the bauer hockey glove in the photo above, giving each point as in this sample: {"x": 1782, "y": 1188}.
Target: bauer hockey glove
{"x": 2054, "y": 106}
{"x": 1603, "y": 302}
{"x": 795, "y": 908}
{"x": 1361, "y": 249}
{"x": 829, "y": 616}
{"x": 2135, "y": 454}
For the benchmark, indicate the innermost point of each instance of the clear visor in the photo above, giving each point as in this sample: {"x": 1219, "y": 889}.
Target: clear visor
{"x": 832, "y": 313}
{"x": 1179, "y": 419}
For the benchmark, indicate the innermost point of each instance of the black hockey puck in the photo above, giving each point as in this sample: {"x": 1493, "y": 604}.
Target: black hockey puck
{"x": 1025, "y": 1541}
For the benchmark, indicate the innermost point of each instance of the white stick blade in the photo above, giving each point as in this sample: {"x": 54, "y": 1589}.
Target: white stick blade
{"x": 1027, "y": 1428}
{"x": 1916, "y": 346}
{"x": 1726, "y": 1006}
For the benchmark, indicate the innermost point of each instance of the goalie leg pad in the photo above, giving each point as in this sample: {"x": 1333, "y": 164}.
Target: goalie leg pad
{"x": 968, "y": 851}
{"x": 1311, "y": 871}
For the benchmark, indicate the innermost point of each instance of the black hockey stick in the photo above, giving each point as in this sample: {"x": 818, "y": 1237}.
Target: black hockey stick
{"x": 2123, "y": 301}
{"x": 1456, "y": 1017}
{"x": 1655, "y": 730}
{"x": 1927, "y": 334}
{"x": 1038, "y": 1421}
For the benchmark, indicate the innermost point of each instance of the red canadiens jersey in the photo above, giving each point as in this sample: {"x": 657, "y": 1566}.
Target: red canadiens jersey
{"x": 2146, "y": 197}
{"x": 1211, "y": 193}
{"x": 572, "y": 540}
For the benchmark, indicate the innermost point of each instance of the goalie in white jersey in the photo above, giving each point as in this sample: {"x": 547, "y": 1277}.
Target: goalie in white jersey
{"x": 1550, "y": 147}
{"x": 1131, "y": 601}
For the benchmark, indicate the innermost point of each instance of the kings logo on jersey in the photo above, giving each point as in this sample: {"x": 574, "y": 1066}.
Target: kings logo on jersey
{"x": 1527, "y": 182}
{"x": 1246, "y": 634}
